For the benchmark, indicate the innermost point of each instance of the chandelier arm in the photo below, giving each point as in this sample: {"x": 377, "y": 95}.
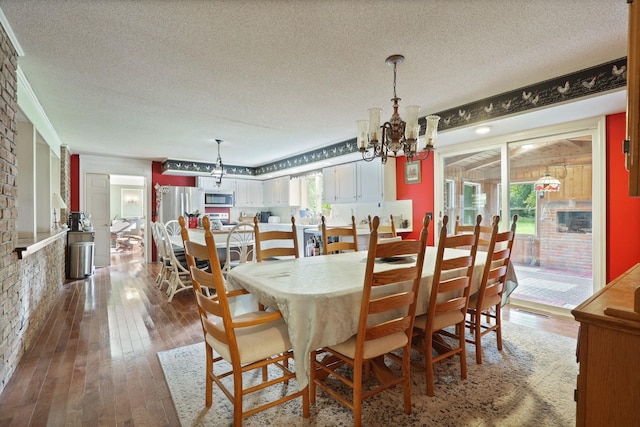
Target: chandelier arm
{"x": 369, "y": 155}
{"x": 420, "y": 155}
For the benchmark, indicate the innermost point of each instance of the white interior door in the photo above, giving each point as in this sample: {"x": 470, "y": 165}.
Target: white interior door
{"x": 97, "y": 191}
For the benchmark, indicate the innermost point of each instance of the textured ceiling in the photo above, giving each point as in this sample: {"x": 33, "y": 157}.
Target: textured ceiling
{"x": 163, "y": 79}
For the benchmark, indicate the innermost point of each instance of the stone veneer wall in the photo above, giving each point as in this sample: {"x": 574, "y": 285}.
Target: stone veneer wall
{"x": 29, "y": 288}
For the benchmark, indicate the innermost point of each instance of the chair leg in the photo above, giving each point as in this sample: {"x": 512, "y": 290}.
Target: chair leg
{"x": 478, "y": 338}
{"x": 406, "y": 373}
{"x": 357, "y": 395}
{"x": 173, "y": 284}
{"x": 499, "y": 326}
{"x": 209, "y": 381}
{"x": 237, "y": 397}
{"x": 312, "y": 377}
{"x": 428, "y": 364}
{"x": 463, "y": 351}
{"x": 305, "y": 402}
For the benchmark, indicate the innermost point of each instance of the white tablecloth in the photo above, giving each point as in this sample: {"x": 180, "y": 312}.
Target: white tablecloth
{"x": 319, "y": 297}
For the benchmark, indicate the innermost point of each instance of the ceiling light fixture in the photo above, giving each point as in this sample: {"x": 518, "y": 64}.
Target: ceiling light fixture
{"x": 375, "y": 140}
{"x": 483, "y": 130}
{"x": 218, "y": 170}
{"x": 548, "y": 182}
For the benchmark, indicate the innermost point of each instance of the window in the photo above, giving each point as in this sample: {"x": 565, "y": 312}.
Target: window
{"x": 311, "y": 193}
{"x": 471, "y": 201}
{"x": 522, "y": 202}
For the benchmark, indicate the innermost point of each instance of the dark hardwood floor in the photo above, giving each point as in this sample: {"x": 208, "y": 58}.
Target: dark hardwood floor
{"x": 95, "y": 361}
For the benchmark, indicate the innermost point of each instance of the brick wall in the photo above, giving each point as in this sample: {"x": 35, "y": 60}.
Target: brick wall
{"x": 564, "y": 250}
{"x": 29, "y": 287}
{"x": 9, "y": 267}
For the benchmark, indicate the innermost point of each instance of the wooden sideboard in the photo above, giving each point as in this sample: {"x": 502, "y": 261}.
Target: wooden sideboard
{"x": 608, "y": 392}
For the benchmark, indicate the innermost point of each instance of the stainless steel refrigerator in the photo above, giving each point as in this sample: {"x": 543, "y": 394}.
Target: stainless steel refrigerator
{"x": 176, "y": 201}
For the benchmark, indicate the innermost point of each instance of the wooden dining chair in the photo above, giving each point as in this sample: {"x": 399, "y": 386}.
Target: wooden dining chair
{"x": 485, "y": 231}
{"x": 250, "y": 341}
{"x": 385, "y": 229}
{"x": 448, "y": 301}
{"x": 387, "y": 313}
{"x": 333, "y": 238}
{"x": 488, "y": 300}
{"x": 275, "y": 244}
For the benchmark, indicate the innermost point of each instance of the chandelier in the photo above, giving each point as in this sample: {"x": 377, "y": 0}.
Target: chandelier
{"x": 375, "y": 140}
{"x": 218, "y": 169}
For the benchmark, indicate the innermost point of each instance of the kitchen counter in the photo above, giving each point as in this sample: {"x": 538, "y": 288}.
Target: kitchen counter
{"x": 26, "y": 246}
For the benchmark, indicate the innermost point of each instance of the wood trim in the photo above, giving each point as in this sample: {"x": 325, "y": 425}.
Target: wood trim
{"x": 633, "y": 100}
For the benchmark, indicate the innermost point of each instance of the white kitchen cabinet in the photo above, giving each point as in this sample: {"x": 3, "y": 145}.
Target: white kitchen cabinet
{"x": 357, "y": 182}
{"x": 369, "y": 181}
{"x": 295, "y": 191}
{"x": 248, "y": 193}
{"x": 269, "y": 192}
{"x": 328, "y": 185}
{"x": 339, "y": 184}
{"x": 209, "y": 183}
{"x": 276, "y": 191}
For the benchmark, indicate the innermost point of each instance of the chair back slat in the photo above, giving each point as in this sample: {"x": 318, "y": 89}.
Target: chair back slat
{"x": 401, "y": 248}
{"x": 393, "y": 276}
{"x": 453, "y": 284}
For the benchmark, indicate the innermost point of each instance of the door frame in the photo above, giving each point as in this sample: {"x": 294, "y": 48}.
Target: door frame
{"x": 594, "y": 126}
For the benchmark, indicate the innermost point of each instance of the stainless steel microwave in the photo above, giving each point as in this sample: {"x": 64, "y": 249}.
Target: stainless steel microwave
{"x": 218, "y": 199}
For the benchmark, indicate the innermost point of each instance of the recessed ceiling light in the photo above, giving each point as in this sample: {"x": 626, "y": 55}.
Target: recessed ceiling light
{"x": 483, "y": 129}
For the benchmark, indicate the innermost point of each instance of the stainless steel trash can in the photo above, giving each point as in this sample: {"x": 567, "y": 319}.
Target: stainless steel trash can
{"x": 81, "y": 260}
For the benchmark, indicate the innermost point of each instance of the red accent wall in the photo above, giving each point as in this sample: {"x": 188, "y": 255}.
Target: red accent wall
{"x": 421, "y": 194}
{"x": 74, "y": 179}
{"x": 623, "y": 212}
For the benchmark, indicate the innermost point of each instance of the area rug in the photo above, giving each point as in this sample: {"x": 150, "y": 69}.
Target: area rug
{"x": 530, "y": 382}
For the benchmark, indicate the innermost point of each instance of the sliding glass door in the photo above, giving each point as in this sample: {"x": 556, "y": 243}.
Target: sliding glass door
{"x": 550, "y": 188}
{"x": 548, "y": 183}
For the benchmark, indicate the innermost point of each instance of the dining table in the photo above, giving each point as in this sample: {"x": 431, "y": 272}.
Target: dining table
{"x": 319, "y": 297}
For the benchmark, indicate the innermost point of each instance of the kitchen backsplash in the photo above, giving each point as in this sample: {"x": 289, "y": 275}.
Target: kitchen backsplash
{"x": 341, "y": 213}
